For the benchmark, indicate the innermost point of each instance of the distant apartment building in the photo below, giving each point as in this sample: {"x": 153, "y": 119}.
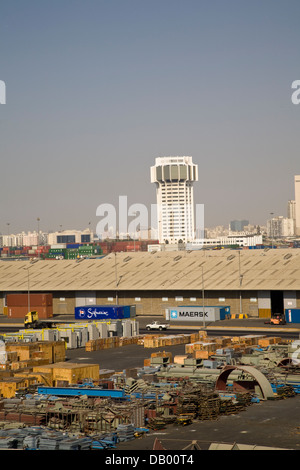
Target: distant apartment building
{"x": 12, "y": 240}
{"x": 174, "y": 178}
{"x": 31, "y": 239}
{"x": 291, "y": 212}
{"x": 279, "y": 227}
{"x": 297, "y": 204}
{"x": 216, "y": 232}
{"x": 70, "y": 236}
{"x": 238, "y": 225}
{"x": 23, "y": 239}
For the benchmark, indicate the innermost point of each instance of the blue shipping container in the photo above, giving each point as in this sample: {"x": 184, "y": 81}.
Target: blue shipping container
{"x": 292, "y": 315}
{"x": 223, "y": 312}
{"x": 99, "y": 312}
{"x": 126, "y": 311}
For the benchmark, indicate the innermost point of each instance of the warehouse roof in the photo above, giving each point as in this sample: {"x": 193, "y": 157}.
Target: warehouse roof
{"x": 277, "y": 269}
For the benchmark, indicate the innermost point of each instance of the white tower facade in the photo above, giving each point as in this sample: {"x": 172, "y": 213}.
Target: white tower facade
{"x": 297, "y": 204}
{"x": 174, "y": 178}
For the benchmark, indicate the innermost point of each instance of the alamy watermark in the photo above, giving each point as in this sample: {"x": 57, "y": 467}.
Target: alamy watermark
{"x": 296, "y": 94}
{"x": 2, "y": 92}
{"x": 137, "y": 220}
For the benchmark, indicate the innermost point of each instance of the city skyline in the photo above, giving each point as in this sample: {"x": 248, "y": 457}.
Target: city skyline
{"x": 95, "y": 91}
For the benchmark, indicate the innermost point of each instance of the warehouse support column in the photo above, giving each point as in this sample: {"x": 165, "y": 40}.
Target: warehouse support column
{"x": 264, "y": 304}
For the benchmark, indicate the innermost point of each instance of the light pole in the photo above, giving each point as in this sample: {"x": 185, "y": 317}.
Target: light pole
{"x": 241, "y": 280}
{"x": 203, "y": 296}
{"x": 28, "y": 288}
{"x": 272, "y": 228}
{"x": 8, "y": 251}
{"x": 38, "y": 235}
{"x": 117, "y": 280}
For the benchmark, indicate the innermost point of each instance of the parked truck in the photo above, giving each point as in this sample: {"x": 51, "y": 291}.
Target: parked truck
{"x": 156, "y": 325}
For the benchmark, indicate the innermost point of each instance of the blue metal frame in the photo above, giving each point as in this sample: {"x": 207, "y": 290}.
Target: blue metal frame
{"x": 76, "y": 391}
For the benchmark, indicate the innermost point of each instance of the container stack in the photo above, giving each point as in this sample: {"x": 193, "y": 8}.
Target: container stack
{"x": 18, "y": 305}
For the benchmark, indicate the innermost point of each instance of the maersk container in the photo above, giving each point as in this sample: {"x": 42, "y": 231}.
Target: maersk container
{"x": 194, "y": 313}
{"x": 292, "y": 315}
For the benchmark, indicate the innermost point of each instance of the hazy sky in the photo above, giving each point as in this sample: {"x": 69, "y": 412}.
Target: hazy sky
{"x": 97, "y": 89}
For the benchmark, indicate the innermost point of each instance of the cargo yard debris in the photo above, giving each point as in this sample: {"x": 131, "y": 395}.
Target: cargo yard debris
{"x": 217, "y": 376}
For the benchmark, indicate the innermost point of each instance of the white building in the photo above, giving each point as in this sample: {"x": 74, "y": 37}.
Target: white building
{"x": 279, "y": 227}
{"x": 71, "y": 236}
{"x": 30, "y": 239}
{"x": 12, "y": 240}
{"x": 297, "y": 204}
{"x": 251, "y": 240}
{"x": 291, "y": 213}
{"x": 174, "y": 178}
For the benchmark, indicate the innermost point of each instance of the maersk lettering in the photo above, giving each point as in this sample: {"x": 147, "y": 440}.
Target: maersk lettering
{"x": 193, "y": 314}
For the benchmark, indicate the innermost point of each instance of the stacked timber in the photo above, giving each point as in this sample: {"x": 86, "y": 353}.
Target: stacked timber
{"x": 111, "y": 342}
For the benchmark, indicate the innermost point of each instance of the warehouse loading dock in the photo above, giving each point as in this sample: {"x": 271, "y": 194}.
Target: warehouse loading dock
{"x": 277, "y": 305}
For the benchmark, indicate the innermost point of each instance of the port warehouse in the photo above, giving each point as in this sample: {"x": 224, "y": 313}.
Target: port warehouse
{"x": 257, "y": 282}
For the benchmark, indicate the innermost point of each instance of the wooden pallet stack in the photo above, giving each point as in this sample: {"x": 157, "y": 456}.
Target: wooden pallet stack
{"x": 209, "y": 407}
{"x": 111, "y": 342}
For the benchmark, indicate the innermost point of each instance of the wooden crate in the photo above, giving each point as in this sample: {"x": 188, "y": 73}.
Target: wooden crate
{"x": 69, "y": 372}
{"x": 202, "y": 334}
{"x": 180, "y": 359}
{"x": 163, "y": 354}
{"x": 54, "y": 351}
{"x": 9, "y": 386}
{"x": 264, "y": 342}
{"x": 202, "y": 354}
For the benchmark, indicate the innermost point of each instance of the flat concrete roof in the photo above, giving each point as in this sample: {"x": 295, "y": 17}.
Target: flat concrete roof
{"x": 277, "y": 269}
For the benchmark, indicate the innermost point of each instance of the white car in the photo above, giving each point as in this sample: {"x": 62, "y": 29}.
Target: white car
{"x": 155, "y": 325}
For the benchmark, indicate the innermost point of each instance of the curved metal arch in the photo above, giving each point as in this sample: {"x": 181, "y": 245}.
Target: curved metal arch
{"x": 264, "y": 384}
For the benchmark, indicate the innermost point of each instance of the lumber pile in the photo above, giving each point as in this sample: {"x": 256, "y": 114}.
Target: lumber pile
{"x": 265, "y": 342}
{"x": 158, "y": 341}
{"x": 111, "y": 342}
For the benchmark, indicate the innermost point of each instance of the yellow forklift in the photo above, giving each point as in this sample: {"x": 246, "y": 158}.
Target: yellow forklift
{"x": 276, "y": 319}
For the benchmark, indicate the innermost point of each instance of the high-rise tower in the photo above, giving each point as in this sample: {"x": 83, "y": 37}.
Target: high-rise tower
{"x": 174, "y": 178}
{"x": 297, "y": 203}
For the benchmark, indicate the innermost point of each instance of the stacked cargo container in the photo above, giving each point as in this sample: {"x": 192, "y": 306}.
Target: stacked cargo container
{"x": 76, "y": 250}
{"x": 73, "y": 251}
{"x": 17, "y": 305}
{"x": 110, "y": 246}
